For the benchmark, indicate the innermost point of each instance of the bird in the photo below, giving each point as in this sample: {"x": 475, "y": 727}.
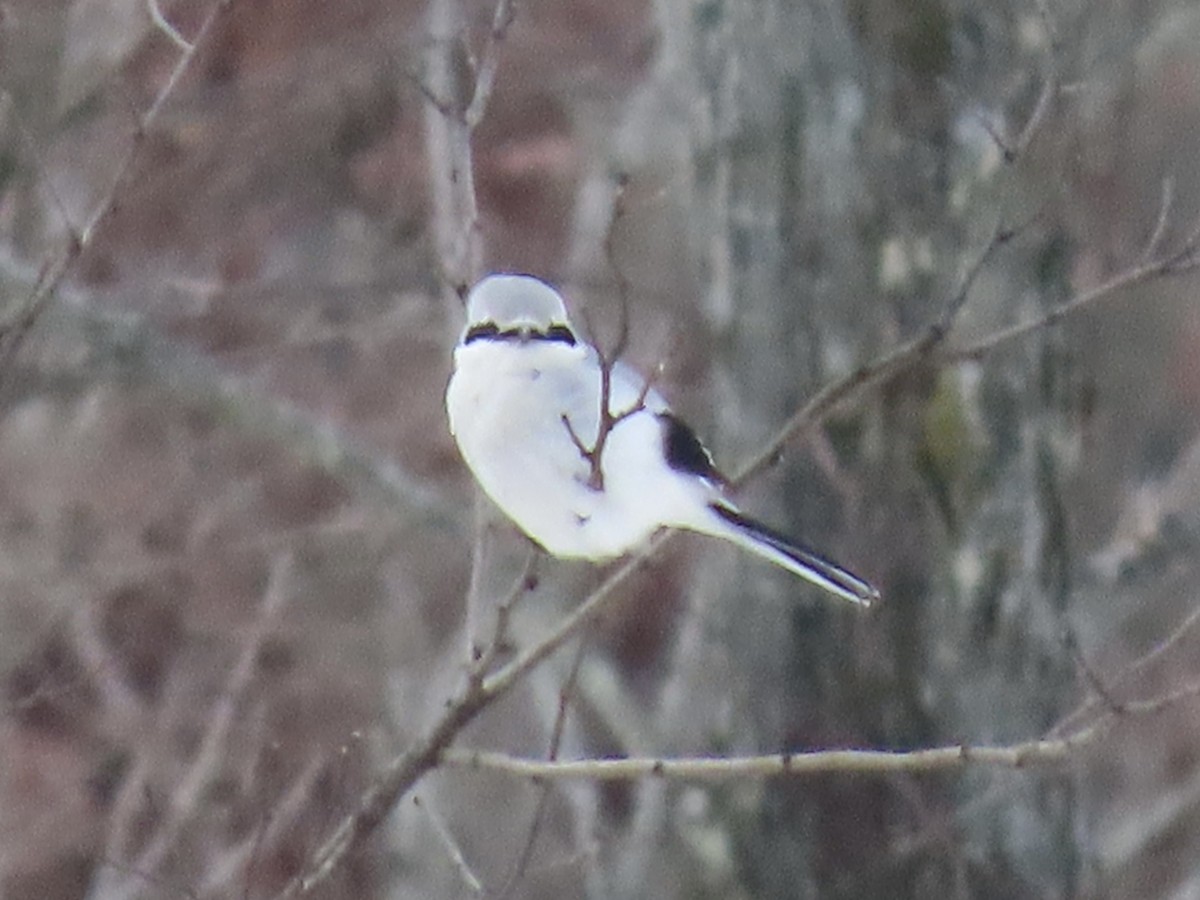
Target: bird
{"x": 524, "y": 404}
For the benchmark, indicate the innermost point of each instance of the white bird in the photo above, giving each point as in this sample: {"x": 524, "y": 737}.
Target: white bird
{"x": 524, "y": 406}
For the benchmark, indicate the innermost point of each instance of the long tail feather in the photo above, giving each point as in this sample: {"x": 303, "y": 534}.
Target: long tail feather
{"x": 784, "y": 552}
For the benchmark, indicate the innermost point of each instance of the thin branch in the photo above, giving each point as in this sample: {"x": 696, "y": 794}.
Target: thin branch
{"x": 1164, "y": 215}
{"x": 1036, "y": 118}
{"x": 14, "y": 332}
{"x": 185, "y": 799}
{"x": 619, "y": 210}
{"x": 879, "y": 370}
{"x": 485, "y": 74}
{"x": 458, "y": 108}
{"x": 594, "y": 455}
{"x": 1027, "y": 754}
{"x": 600, "y": 601}
{"x": 525, "y": 583}
{"x": 161, "y": 23}
{"x": 283, "y": 813}
{"x": 1184, "y": 259}
{"x": 41, "y": 172}
{"x": 565, "y": 694}
{"x": 475, "y": 594}
{"x": 1100, "y": 688}
{"x": 776, "y": 765}
{"x": 1129, "y": 672}
{"x": 449, "y": 152}
{"x": 607, "y": 359}
{"x": 1163, "y": 701}
{"x": 1013, "y": 149}
{"x": 451, "y": 846}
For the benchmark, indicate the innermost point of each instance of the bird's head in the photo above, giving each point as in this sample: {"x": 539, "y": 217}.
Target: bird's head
{"x": 517, "y": 308}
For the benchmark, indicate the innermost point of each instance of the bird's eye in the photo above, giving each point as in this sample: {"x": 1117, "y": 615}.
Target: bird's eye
{"x": 482, "y": 331}
{"x": 561, "y": 333}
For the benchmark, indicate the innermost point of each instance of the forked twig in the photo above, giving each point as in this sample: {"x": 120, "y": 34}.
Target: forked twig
{"x": 879, "y": 370}
{"x": 1128, "y": 673}
{"x": 1183, "y": 259}
{"x": 607, "y": 359}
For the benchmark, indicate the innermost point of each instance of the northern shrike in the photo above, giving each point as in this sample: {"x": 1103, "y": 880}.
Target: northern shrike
{"x": 524, "y": 405}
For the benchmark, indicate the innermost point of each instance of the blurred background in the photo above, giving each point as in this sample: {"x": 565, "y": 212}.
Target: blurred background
{"x": 236, "y": 538}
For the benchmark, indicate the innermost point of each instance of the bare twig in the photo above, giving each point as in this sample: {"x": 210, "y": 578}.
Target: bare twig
{"x": 185, "y": 799}
{"x": 456, "y": 109}
{"x": 565, "y": 694}
{"x": 878, "y": 371}
{"x": 1012, "y": 149}
{"x": 1027, "y": 754}
{"x": 442, "y": 830}
{"x": 1183, "y": 259}
{"x": 42, "y": 173}
{"x": 525, "y": 582}
{"x": 475, "y": 593}
{"x": 161, "y": 23}
{"x": 1099, "y": 687}
{"x": 282, "y": 815}
{"x": 1164, "y": 216}
{"x": 1036, "y": 118}
{"x": 1129, "y": 672}
{"x": 886, "y": 367}
{"x": 619, "y": 209}
{"x": 485, "y": 72}
{"x": 594, "y": 455}
{"x": 14, "y": 332}
{"x": 929, "y": 344}
{"x": 776, "y": 765}
{"x": 426, "y": 751}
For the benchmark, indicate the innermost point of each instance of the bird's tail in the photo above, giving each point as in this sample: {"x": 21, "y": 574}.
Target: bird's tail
{"x": 784, "y": 552}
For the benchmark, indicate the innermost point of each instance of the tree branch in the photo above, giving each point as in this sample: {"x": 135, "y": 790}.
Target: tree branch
{"x": 1027, "y": 754}
{"x": 14, "y": 331}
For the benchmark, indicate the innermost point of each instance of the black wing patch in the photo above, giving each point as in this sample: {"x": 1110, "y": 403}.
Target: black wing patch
{"x": 684, "y": 452}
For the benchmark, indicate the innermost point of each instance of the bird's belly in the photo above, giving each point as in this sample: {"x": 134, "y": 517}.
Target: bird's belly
{"x": 510, "y": 430}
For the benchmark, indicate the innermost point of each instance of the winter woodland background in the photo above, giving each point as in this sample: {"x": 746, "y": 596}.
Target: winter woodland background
{"x": 237, "y": 545}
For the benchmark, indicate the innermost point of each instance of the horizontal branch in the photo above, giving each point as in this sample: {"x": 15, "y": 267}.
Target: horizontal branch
{"x": 878, "y": 371}
{"x": 1183, "y": 261}
{"x": 1027, "y": 754}
{"x": 777, "y": 765}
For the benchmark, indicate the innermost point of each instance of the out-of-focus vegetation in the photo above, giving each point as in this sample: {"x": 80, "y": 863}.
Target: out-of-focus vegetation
{"x": 236, "y": 540}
